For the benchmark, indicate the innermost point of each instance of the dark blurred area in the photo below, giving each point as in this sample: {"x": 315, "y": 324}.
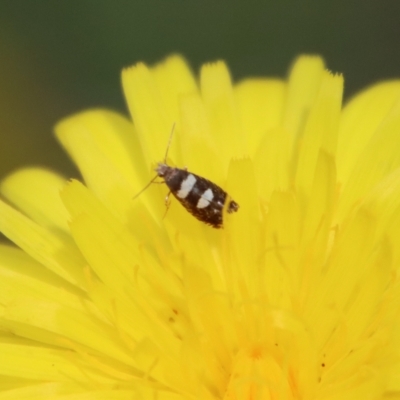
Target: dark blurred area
{"x": 59, "y": 57}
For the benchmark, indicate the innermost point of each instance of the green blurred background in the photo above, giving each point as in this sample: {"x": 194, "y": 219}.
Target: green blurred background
{"x": 58, "y": 57}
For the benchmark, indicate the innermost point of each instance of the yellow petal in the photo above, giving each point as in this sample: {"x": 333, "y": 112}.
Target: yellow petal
{"x": 218, "y": 98}
{"x": 272, "y": 162}
{"x": 153, "y": 106}
{"x": 303, "y": 86}
{"x": 37, "y": 192}
{"x": 27, "y": 361}
{"x": 51, "y": 248}
{"x": 380, "y": 157}
{"x": 104, "y": 146}
{"x": 321, "y": 128}
{"x": 360, "y": 119}
{"x": 260, "y": 105}
{"x": 198, "y": 140}
{"x": 23, "y": 277}
{"x": 42, "y": 391}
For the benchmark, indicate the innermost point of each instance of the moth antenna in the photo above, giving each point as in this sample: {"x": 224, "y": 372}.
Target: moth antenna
{"x": 165, "y": 161}
{"x": 169, "y": 142}
{"x": 152, "y": 181}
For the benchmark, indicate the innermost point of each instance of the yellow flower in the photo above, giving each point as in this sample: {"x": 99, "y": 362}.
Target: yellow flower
{"x": 297, "y": 297}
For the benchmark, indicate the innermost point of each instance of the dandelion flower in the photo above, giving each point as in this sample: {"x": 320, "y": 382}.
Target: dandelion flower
{"x": 106, "y": 296}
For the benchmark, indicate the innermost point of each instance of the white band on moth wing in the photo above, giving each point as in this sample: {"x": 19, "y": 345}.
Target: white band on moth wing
{"x": 205, "y": 199}
{"x": 186, "y": 186}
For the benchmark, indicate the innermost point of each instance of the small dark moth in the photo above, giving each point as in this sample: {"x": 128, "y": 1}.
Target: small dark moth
{"x": 202, "y": 198}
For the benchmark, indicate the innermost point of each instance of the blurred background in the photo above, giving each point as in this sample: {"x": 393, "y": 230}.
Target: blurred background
{"x": 60, "y": 57}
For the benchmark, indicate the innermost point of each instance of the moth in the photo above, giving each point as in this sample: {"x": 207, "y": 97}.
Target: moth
{"x": 202, "y": 198}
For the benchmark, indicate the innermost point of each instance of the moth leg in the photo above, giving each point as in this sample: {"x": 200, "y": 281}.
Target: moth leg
{"x": 167, "y": 200}
{"x": 150, "y": 183}
{"x": 167, "y": 203}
